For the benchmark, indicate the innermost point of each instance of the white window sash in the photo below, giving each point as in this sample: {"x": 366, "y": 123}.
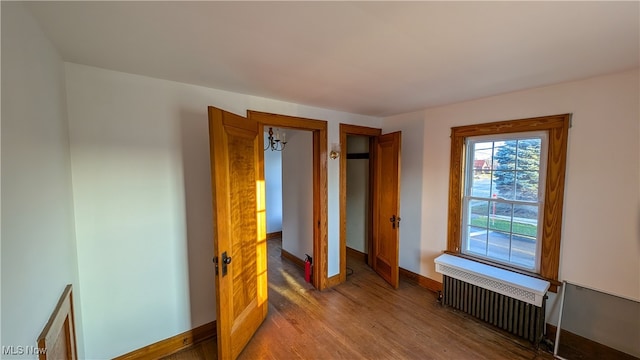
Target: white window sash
{"x": 467, "y": 198}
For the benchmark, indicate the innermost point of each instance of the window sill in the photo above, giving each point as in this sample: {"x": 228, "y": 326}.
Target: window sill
{"x": 522, "y": 287}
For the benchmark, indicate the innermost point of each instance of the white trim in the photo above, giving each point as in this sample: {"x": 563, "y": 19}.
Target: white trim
{"x": 522, "y": 287}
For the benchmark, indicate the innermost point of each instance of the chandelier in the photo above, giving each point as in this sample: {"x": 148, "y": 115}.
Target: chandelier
{"x": 276, "y": 143}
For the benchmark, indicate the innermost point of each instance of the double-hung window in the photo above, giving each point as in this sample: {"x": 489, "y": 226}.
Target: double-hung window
{"x": 506, "y": 192}
{"x": 503, "y": 197}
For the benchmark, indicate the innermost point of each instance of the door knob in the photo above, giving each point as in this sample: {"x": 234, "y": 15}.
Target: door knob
{"x": 393, "y": 219}
{"x": 226, "y": 260}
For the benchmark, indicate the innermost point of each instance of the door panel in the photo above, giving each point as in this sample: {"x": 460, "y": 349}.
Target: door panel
{"x": 239, "y": 229}
{"x": 386, "y": 207}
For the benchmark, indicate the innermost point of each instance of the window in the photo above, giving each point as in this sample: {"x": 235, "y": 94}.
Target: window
{"x": 506, "y": 190}
{"x": 502, "y": 198}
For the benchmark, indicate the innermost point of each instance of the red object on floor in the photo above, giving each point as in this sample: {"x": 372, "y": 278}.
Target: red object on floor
{"x": 308, "y": 269}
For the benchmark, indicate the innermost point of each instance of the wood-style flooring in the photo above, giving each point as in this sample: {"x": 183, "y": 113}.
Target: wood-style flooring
{"x": 364, "y": 318}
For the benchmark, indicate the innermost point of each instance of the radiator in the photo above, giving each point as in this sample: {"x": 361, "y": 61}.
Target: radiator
{"x": 516, "y": 316}
{"x": 511, "y": 301}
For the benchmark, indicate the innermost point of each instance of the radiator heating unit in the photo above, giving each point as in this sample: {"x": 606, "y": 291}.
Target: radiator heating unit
{"x": 510, "y": 301}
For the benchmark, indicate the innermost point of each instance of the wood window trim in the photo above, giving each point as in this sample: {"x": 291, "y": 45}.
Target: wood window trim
{"x": 557, "y": 126}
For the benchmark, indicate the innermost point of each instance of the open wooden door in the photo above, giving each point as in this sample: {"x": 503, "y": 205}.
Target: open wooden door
{"x": 239, "y": 228}
{"x": 386, "y": 207}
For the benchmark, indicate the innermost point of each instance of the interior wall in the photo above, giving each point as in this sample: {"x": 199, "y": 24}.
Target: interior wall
{"x": 38, "y": 237}
{"x": 358, "y": 199}
{"x": 141, "y": 181}
{"x": 273, "y": 188}
{"x": 600, "y": 222}
{"x": 606, "y": 319}
{"x": 414, "y": 174}
{"x": 297, "y": 194}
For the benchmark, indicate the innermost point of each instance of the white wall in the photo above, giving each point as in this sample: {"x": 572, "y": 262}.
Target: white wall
{"x": 38, "y": 239}
{"x": 273, "y": 185}
{"x": 412, "y": 179}
{"x": 358, "y": 202}
{"x": 297, "y": 194}
{"x": 140, "y": 162}
{"x": 600, "y": 247}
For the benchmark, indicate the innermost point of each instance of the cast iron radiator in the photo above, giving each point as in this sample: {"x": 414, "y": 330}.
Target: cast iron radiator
{"x": 516, "y": 316}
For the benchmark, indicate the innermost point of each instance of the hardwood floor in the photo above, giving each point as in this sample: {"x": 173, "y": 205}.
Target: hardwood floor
{"x": 364, "y": 318}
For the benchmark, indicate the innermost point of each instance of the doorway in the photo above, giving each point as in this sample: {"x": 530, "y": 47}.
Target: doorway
{"x": 318, "y": 129}
{"x": 358, "y": 208}
{"x": 362, "y": 138}
{"x": 383, "y": 248}
{"x": 288, "y": 164}
{"x": 273, "y": 190}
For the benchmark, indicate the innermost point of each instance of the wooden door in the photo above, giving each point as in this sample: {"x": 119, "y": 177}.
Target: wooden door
{"x": 239, "y": 227}
{"x": 58, "y": 338}
{"x": 386, "y": 207}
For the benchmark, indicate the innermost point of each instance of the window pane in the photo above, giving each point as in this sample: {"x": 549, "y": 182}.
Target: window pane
{"x": 523, "y": 251}
{"x": 480, "y": 185}
{"x": 500, "y": 218}
{"x": 504, "y": 159}
{"x": 481, "y": 179}
{"x": 503, "y": 184}
{"x": 504, "y": 155}
{"x": 528, "y": 169}
{"x": 479, "y": 209}
{"x": 498, "y": 247}
{"x": 525, "y": 220}
{"x": 528, "y": 154}
{"x": 477, "y": 240}
{"x": 527, "y": 185}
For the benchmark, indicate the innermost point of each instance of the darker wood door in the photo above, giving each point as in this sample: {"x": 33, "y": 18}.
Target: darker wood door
{"x": 386, "y": 207}
{"x": 237, "y": 177}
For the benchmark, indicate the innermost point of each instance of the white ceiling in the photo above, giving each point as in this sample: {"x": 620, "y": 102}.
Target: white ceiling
{"x": 373, "y": 58}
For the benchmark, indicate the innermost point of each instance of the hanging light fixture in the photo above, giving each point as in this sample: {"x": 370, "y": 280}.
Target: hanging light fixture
{"x": 276, "y": 143}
